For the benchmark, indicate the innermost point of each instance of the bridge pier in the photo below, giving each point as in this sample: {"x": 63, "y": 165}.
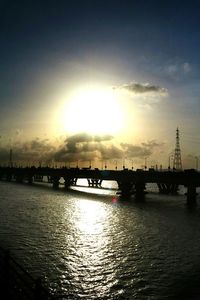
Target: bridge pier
{"x": 49, "y": 179}
{"x": 125, "y": 188}
{"x": 167, "y": 188}
{"x": 94, "y": 182}
{"x": 19, "y": 178}
{"x": 132, "y": 188}
{"x": 69, "y": 181}
{"x": 9, "y": 177}
{"x": 73, "y": 181}
{"x": 38, "y": 178}
{"x": 140, "y": 191}
{"x": 30, "y": 179}
{"x": 55, "y": 180}
{"x": 191, "y": 195}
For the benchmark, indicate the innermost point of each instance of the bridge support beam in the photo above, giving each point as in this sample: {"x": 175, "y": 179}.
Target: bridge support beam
{"x": 191, "y": 195}
{"x": 94, "y": 182}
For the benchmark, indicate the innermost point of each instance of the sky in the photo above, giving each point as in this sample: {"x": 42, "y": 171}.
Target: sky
{"x": 106, "y": 82}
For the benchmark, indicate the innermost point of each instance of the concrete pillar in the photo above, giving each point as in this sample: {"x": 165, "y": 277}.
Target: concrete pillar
{"x": 73, "y": 181}
{"x": 125, "y": 188}
{"x": 9, "y": 177}
{"x": 38, "y": 178}
{"x": 30, "y": 179}
{"x": 191, "y": 194}
{"x": 69, "y": 181}
{"x": 49, "y": 179}
{"x": 140, "y": 191}
{"x": 55, "y": 181}
{"x": 174, "y": 188}
{"x": 19, "y": 178}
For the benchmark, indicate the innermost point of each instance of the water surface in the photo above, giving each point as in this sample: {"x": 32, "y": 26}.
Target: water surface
{"x": 88, "y": 246}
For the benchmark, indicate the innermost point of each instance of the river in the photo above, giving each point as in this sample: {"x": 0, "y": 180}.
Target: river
{"x": 89, "y": 246}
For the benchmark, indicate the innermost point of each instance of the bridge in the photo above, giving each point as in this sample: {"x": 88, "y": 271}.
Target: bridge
{"x": 129, "y": 182}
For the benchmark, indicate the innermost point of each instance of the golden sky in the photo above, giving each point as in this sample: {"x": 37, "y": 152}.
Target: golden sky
{"x": 99, "y": 82}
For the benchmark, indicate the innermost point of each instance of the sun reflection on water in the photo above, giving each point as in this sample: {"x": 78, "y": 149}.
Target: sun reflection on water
{"x": 91, "y": 248}
{"x": 91, "y": 217}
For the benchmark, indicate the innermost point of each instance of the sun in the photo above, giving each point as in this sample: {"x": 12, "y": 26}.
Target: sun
{"x": 95, "y": 111}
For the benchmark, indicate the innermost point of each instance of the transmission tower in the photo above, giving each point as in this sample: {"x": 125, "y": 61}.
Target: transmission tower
{"x": 177, "y": 153}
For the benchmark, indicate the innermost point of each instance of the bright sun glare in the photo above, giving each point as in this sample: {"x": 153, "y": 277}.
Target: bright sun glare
{"x": 95, "y": 111}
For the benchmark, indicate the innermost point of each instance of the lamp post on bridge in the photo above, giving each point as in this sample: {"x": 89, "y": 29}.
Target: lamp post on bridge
{"x": 145, "y": 163}
{"x": 131, "y": 163}
{"x": 124, "y": 161}
{"x": 171, "y": 156}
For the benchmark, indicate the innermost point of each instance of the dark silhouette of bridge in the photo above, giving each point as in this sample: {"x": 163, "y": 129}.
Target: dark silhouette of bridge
{"x": 129, "y": 182}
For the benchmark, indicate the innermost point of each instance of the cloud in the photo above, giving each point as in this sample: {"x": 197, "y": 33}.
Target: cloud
{"x": 131, "y": 151}
{"x": 144, "y": 150}
{"x": 18, "y": 132}
{"x": 75, "y": 142}
{"x": 152, "y": 144}
{"x": 83, "y": 146}
{"x": 143, "y": 88}
{"x": 186, "y": 67}
{"x": 30, "y": 151}
{"x": 178, "y": 70}
{"x": 79, "y": 147}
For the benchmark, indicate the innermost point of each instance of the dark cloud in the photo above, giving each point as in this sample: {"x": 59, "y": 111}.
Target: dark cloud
{"x": 111, "y": 152}
{"x": 79, "y": 147}
{"x": 84, "y": 142}
{"x": 83, "y": 146}
{"x": 79, "y": 138}
{"x": 30, "y": 151}
{"x": 85, "y": 137}
{"x": 151, "y": 144}
{"x": 145, "y": 150}
{"x": 135, "y": 151}
{"x": 103, "y": 138}
{"x": 141, "y": 88}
